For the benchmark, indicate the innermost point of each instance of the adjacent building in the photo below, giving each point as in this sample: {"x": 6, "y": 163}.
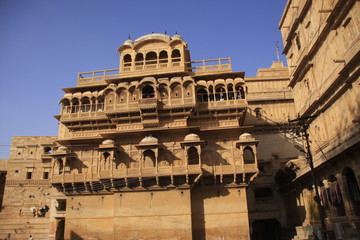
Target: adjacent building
{"x": 321, "y": 43}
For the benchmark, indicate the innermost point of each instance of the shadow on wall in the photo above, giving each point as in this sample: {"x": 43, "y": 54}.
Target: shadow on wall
{"x": 198, "y": 209}
{"x": 74, "y": 236}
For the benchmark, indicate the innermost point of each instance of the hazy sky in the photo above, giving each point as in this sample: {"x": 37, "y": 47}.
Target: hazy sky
{"x": 45, "y": 43}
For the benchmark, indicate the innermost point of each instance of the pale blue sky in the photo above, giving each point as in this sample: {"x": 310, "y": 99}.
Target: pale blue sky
{"x": 45, "y": 43}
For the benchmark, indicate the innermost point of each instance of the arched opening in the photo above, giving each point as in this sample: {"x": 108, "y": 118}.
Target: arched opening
{"x": 47, "y": 150}
{"x": 193, "y": 156}
{"x": 202, "y": 95}
{"x": 122, "y": 96}
{"x": 75, "y": 106}
{"x": 249, "y": 157}
{"x": 66, "y": 106}
{"x": 149, "y": 159}
{"x": 148, "y": 92}
{"x": 163, "y": 92}
{"x": 133, "y": 94}
{"x": 110, "y": 98}
{"x": 176, "y": 91}
{"x": 85, "y": 105}
{"x": 139, "y": 59}
{"x": 163, "y": 56}
{"x": 106, "y": 159}
{"x": 240, "y": 94}
{"x": 127, "y": 60}
{"x": 353, "y": 190}
{"x": 231, "y": 92}
{"x": 220, "y": 94}
{"x": 188, "y": 89}
{"x": 175, "y": 55}
{"x": 150, "y": 58}
{"x": 100, "y": 104}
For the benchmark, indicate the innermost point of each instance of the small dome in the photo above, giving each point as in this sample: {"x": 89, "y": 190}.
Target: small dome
{"x": 62, "y": 148}
{"x": 192, "y": 137}
{"x": 149, "y": 139}
{"x": 128, "y": 42}
{"x": 245, "y": 136}
{"x": 112, "y": 85}
{"x": 177, "y": 37}
{"x": 153, "y": 36}
{"x": 108, "y": 142}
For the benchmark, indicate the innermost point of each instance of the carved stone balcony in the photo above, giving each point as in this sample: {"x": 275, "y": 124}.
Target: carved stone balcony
{"x": 148, "y": 103}
{"x": 155, "y": 172}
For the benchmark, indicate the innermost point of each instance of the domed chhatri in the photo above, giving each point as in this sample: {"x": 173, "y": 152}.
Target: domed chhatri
{"x": 149, "y": 139}
{"x": 108, "y": 142}
{"x": 128, "y": 42}
{"x": 192, "y": 137}
{"x": 153, "y": 36}
{"x": 176, "y": 37}
{"x": 245, "y": 136}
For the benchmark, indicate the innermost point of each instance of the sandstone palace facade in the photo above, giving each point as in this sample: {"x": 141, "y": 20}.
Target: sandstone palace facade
{"x": 169, "y": 148}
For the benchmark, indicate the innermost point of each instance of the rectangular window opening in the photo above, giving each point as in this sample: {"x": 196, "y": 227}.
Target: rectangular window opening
{"x": 29, "y": 175}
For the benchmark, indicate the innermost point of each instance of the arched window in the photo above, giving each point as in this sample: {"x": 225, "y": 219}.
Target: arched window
{"x": 127, "y": 60}
{"x": 100, "y": 104}
{"x": 85, "y": 105}
{"x": 47, "y": 150}
{"x": 202, "y": 95}
{"x": 148, "y": 92}
{"x": 151, "y": 58}
{"x": 240, "y": 94}
{"x": 122, "y": 96}
{"x": 193, "y": 156}
{"x": 353, "y": 190}
{"x": 163, "y": 57}
{"x": 230, "y": 92}
{"x": 175, "y": 55}
{"x": 106, "y": 156}
{"x": 139, "y": 59}
{"x": 75, "y": 105}
{"x": 133, "y": 94}
{"x": 66, "y": 106}
{"x": 176, "y": 90}
{"x": 220, "y": 94}
{"x": 149, "y": 159}
{"x": 249, "y": 157}
{"x": 163, "y": 93}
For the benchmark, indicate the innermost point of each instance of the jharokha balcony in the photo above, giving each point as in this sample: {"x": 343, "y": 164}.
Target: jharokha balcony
{"x": 156, "y": 177}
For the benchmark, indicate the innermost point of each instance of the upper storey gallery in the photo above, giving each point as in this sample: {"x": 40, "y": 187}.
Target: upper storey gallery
{"x": 151, "y": 54}
{"x": 156, "y": 86}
